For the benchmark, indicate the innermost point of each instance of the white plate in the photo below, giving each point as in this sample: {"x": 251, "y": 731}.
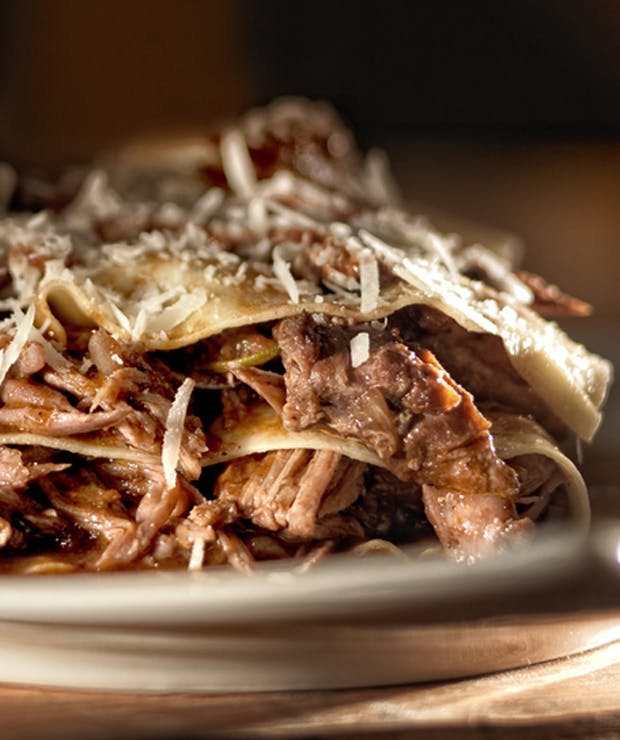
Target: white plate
{"x": 289, "y": 657}
{"x": 350, "y": 622}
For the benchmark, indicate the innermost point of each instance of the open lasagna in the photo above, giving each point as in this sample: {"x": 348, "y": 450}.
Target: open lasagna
{"x": 248, "y": 350}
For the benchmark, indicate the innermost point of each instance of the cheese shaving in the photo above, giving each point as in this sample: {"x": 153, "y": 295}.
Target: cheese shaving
{"x": 206, "y": 206}
{"x": 282, "y": 271}
{"x": 23, "y": 326}
{"x": 237, "y": 164}
{"x": 183, "y": 307}
{"x": 197, "y": 555}
{"x": 497, "y": 269}
{"x": 175, "y": 423}
{"x": 369, "y": 283}
{"x": 360, "y": 348}
{"x": 52, "y": 356}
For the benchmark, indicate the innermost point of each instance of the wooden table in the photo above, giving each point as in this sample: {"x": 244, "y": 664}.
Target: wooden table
{"x": 572, "y": 697}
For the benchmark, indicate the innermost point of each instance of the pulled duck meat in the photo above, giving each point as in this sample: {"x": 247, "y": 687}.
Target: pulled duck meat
{"x": 110, "y": 391}
{"x": 422, "y": 424}
{"x": 94, "y": 514}
{"x": 293, "y": 492}
{"x": 442, "y": 473}
{"x": 476, "y": 361}
{"x": 400, "y": 402}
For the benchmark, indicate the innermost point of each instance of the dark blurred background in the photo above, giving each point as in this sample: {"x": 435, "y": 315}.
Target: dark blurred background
{"x": 77, "y": 73}
{"x": 504, "y": 113}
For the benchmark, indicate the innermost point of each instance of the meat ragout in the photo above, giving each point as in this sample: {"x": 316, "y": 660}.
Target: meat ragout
{"x": 293, "y": 284}
{"x": 441, "y": 470}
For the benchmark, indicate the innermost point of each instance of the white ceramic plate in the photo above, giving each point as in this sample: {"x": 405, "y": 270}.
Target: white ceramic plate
{"x": 350, "y": 622}
{"x": 341, "y": 587}
{"x": 289, "y": 657}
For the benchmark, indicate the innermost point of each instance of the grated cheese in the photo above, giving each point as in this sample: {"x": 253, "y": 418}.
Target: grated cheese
{"x": 121, "y": 317}
{"x": 184, "y": 306}
{"x": 360, "y": 348}
{"x": 52, "y": 356}
{"x": 498, "y": 270}
{"x": 369, "y": 283}
{"x": 237, "y": 164}
{"x": 257, "y": 216}
{"x": 291, "y": 217}
{"x": 175, "y": 423}
{"x": 282, "y": 271}
{"x": 206, "y": 206}
{"x": 340, "y": 230}
{"x": 197, "y": 555}
{"x": 139, "y": 324}
{"x": 25, "y": 278}
{"x": 23, "y": 326}
{"x": 95, "y": 199}
{"x": 389, "y": 254}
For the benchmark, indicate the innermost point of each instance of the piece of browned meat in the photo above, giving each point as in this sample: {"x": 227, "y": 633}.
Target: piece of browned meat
{"x": 550, "y": 300}
{"x": 471, "y": 526}
{"x": 292, "y": 492}
{"x": 399, "y": 402}
{"x": 403, "y": 404}
{"x": 476, "y": 361}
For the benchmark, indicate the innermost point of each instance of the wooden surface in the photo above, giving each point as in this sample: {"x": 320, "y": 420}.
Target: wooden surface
{"x": 572, "y": 697}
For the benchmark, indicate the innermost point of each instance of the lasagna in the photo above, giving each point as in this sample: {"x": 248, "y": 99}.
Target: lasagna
{"x": 246, "y": 349}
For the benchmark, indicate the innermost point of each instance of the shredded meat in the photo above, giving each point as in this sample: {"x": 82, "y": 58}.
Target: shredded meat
{"x": 26, "y": 393}
{"x": 425, "y": 402}
{"x": 55, "y": 422}
{"x": 26, "y": 523}
{"x": 476, "y": 361}
{"x": 30, "y": 361}
{"x": 300, "y": 496}
{"x": 16, "y": 473}
{"x": 549, "y": 300}
{"x": 97, "y": 510}
{"x": 98, "y": 515}
{"x": 471, "y": 526}
{"x": 400, "y": 402}
{"x": 109, "y": 388}
{"x": 157, "y": 506}
{"x": 268, "y": 385}
{"x": 290, "y": 491}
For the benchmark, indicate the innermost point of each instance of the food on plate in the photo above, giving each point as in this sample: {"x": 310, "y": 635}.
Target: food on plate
{"x": 246, "y": 349}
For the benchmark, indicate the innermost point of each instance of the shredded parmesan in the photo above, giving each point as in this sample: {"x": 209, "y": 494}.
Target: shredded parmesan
{"x": 369, "y": 283}
{"x": 360, "y": 348}
{"x": 52, "y": 356}
{"x": 23, "y": 326}
{"x": 95, "y": 199}
{"x": 121, "y": 317}
{"x": 206, "y": 206}
{"x": 389, "y": 254}
{"x": 257, "y": 216}
{"x": 175, "y": 423}
{"x": 498, "y": 271}
{"x": 237, "y": 164}
{"x": 197, "y": 555}
{"x": 282, "y": 271}
{"x": 290, "y": 217}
